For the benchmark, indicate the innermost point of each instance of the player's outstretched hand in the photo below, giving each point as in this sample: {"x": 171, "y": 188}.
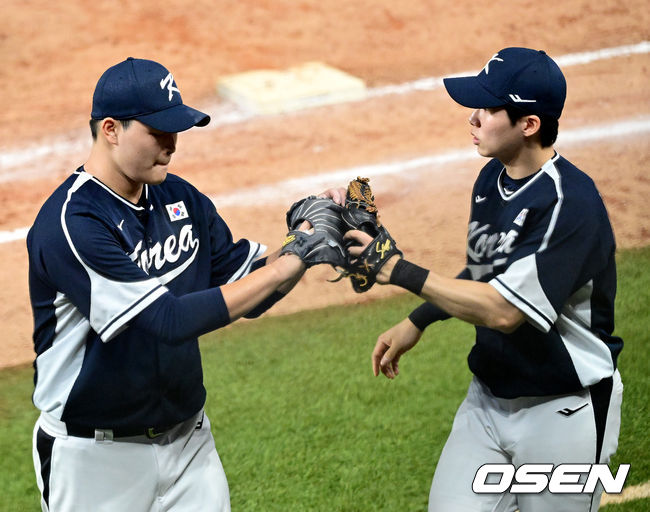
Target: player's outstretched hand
{"x": 390, "y": 346}
{"x": 323, "y": 243}
{"x": 359, "y": 239}
{"x": 372, "y": 258}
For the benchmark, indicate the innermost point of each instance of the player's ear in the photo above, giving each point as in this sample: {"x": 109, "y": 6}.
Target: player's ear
{"x": 531, "y": 125}
{"x": 109, "y": 128}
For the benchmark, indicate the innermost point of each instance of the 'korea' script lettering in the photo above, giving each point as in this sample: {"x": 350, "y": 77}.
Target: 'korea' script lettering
{"x": 167, "y": 252}
{"x": 481, "y": 244}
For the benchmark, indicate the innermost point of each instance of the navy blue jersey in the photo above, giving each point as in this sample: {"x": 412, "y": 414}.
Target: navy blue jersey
{"x": 96, "y": 262}
{"x": 548, "y": 248}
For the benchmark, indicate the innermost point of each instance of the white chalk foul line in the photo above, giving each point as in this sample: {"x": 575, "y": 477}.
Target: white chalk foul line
{"x": 13, "y": 235}
{"x": 571, "y": 59}
{"x": 227, "y": 113}
{"x": 287, "y": 190}
{"x": 283, "y": 191}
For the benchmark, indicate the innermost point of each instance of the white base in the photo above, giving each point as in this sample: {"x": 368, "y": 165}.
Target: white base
{"x": 272, "y": 92}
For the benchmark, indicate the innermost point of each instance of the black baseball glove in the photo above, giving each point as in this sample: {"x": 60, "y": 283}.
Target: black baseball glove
{"x": 361, "y": 213}
{"x": 363, "y": 270}
{"x": 325, "y": 244}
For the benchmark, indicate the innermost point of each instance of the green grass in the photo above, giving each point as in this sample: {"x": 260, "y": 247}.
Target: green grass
{"x": 632, "y": 314}
{"x": 316, "y": 430}
{"x": 301, "y": 424}
{"x": 642, "y": 505}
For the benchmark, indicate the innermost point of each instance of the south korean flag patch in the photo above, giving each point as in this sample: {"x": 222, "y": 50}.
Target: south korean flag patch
{"x": 177, "y": 211}
{"x": 521, "y": 218}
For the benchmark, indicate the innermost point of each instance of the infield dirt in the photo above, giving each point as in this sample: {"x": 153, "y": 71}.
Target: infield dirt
{"x": 53, "y": 53}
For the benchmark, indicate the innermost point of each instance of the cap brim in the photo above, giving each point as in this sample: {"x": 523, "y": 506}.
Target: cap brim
{"x": 175, "y": 119}
{"x": 468, "y": 91}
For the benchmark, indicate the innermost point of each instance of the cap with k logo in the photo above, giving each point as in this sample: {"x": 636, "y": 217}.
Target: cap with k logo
{"x": 525, "y": 78}
{"x": 144, "y": 90}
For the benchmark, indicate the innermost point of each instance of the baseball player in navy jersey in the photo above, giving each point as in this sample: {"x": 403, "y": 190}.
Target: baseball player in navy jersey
{"x": 539, "y": 286}
{"x": 128, "y": 265}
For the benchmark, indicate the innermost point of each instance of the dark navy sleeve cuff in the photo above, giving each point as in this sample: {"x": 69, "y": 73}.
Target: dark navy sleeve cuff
{"x": 177, "y": 319}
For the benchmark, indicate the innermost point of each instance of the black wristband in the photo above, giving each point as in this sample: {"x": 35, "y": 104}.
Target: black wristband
{"x": 409, "y": 276}
{"x": 425, "y": 314}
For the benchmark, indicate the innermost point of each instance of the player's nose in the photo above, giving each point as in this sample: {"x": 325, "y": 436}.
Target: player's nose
{"x": 169, "y": 142}
{"x": 473, "y": 118}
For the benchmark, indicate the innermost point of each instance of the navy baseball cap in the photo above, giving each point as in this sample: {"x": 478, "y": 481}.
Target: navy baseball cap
{"x": 527, "y": 79}
{"x": 144, "y": 90}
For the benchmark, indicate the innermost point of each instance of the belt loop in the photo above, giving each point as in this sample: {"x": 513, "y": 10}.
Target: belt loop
{"x": 103, "y": 435}
{"x": 199, "y": 423}
{"x": 151, "y": 433}
{"x": 52, "y": 426}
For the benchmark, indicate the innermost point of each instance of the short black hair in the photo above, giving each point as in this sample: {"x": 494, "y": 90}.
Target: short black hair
{"x": 95, "y": 122}
{"x": 548, "y": 129}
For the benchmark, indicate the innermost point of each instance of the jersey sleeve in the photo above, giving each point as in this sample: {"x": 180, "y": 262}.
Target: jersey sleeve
{"x": 98, "y": 276}
{"x": 553, "y": 259}
{"x": 230, "y": 260}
